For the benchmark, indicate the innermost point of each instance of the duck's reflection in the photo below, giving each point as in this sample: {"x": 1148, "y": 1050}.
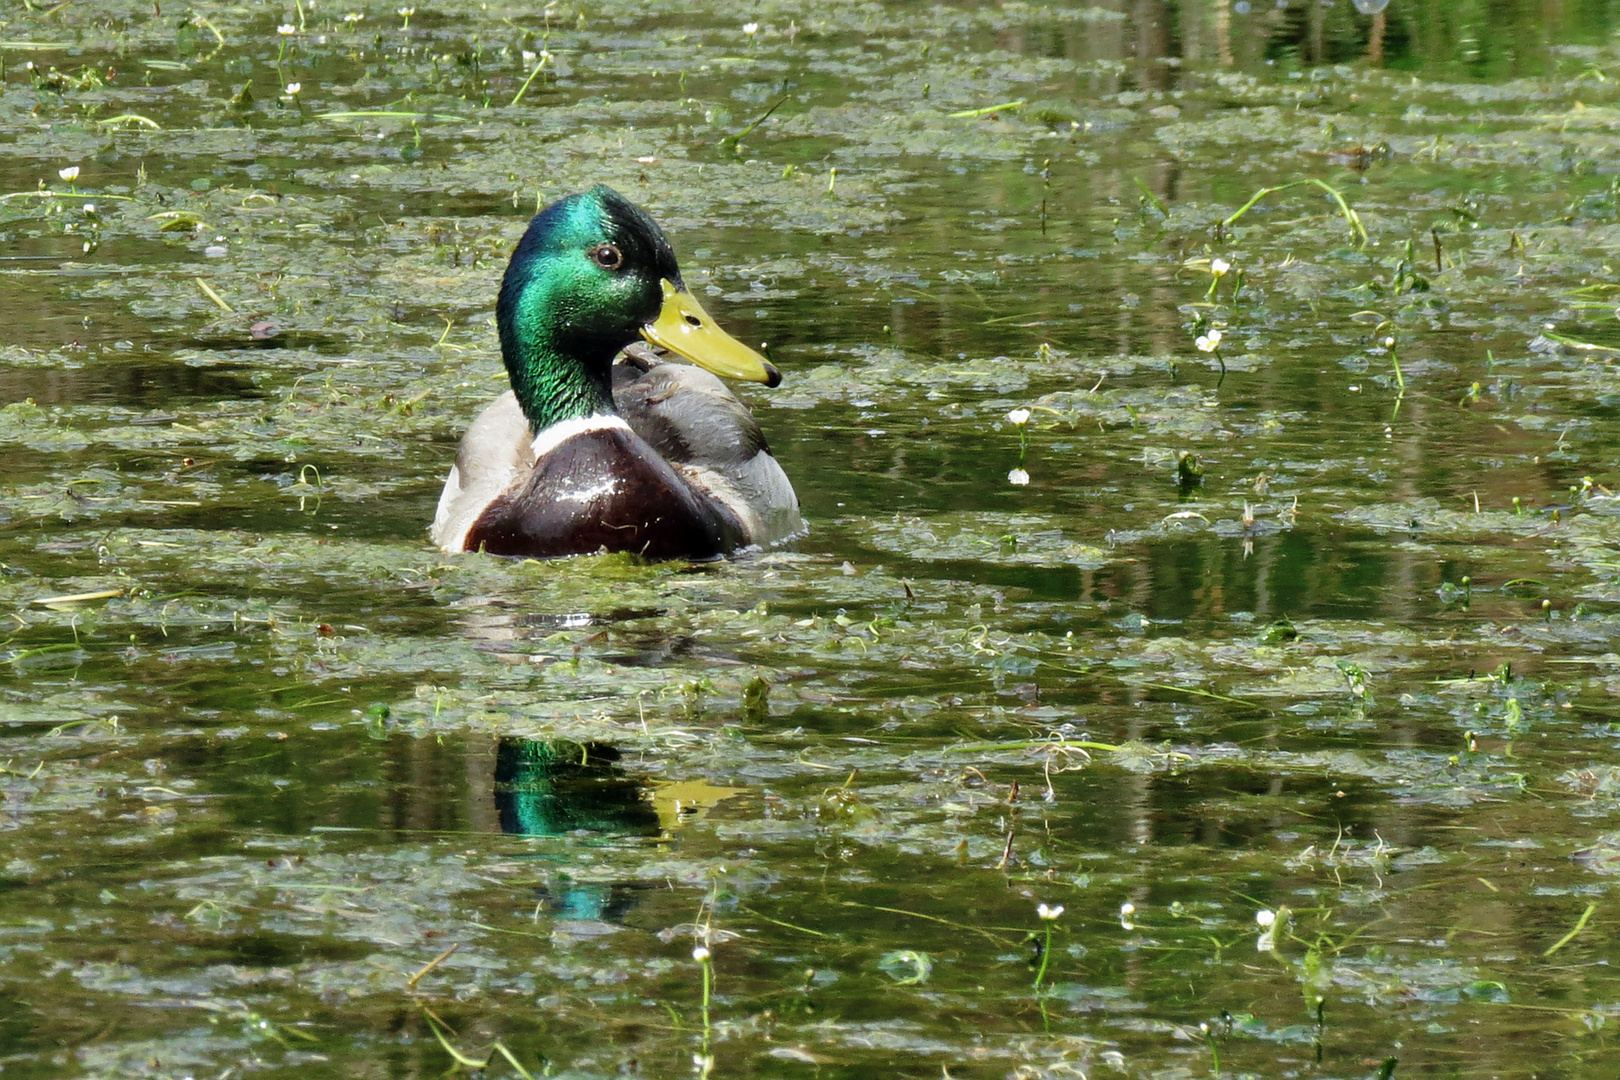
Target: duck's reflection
{"x": 555, "y": 788}
{"x": 551, "y": 788}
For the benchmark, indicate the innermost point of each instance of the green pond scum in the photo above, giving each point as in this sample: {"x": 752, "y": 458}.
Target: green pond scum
{"x": 1205, "y": 656}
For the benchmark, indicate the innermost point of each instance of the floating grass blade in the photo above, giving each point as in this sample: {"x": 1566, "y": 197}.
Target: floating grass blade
{"x": 386, "y": 114}
{"x": 46, "y": 193}
{"x": 1152, "y": 199}
{"x": 997, "y": 938}
{"x": 1033, "y": 744}
{"x": 969, "y": 114}
{"x": 1580, "y": 924}
{"x": 43, "y": 650}
{"x": 785, "y": 925}
{"x": 1195, "y": 692}
{"x": 1578, "y": 346}
{"x": 208, "y": 291}
{"x": 1353, "y": 219}
{"x": 130, "y": 120}
{"x": 430, "y": 965}
{"x": 77, "y": 598}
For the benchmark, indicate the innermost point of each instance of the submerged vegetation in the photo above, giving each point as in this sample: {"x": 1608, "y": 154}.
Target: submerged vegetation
{"x": 1203, "y": 660}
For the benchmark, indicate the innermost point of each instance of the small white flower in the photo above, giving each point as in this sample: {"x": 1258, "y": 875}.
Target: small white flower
{"x": 1018, "y": 416}
{"x": 353, "y": 17}
{"x": 406, "y": 12}
{"x": 701, "y": 954}
{"x": 1209, "y": 342}
{"x": 1018, "y": 477}
{"x": 1049, "y": 912}
{"x": 1219, "y": 266}
{"x": 70, "y": 174}
{"x": 293, "y": 88}
{"x": 1389, "y": 343}
{"x": 89, "y": 208}
{"x": 286, "y": 29}
{"x": 529, "y": 57}
{"x": 1269, "y": 924}
{"x": 751, "y": 28}
{"x": 1126, "y": 910}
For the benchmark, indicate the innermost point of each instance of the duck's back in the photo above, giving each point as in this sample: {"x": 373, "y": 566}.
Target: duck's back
{"x": 692, "y": 420}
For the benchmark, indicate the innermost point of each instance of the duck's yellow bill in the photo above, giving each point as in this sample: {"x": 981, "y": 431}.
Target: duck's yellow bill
{"x": 684, "y": 328}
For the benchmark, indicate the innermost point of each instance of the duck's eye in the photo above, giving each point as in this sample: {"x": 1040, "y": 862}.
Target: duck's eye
{"x": 607, "y": 256}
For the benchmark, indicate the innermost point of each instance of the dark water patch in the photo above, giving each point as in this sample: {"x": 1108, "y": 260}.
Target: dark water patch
{"x": 128, "y": 379}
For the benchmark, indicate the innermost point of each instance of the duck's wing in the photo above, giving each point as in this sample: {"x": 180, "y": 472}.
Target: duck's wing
{"x": 496, "y": 455}
{"x": 696, "y": 424}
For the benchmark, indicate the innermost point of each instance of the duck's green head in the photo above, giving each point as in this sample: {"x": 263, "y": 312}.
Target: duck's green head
{"x": 593, "y": 273}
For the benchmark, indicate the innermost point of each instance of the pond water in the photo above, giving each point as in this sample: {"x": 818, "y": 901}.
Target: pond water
{"x": 1250, "y": 710}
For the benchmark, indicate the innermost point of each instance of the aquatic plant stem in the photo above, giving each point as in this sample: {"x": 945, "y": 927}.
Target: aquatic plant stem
{"x": 705, "y": 959}
{"x": 471, "y": 1062}
{"x": 1357, "y": 230}
{"x": 708, "y": 990}
{"x": 1049, "y": 914}
{"x": 202, "y": 21}
{"x": 704, "y": 1060}
{"x": 1046, "y": 955}
{"x": 524, "y": 89}
{"x": 1214, "y": 1051}
{"x": 1046, "y": 190}
{"x": 737, "y": 138}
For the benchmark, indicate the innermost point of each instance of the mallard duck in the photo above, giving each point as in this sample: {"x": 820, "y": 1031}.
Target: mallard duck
{"x": 585, "y": 454}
